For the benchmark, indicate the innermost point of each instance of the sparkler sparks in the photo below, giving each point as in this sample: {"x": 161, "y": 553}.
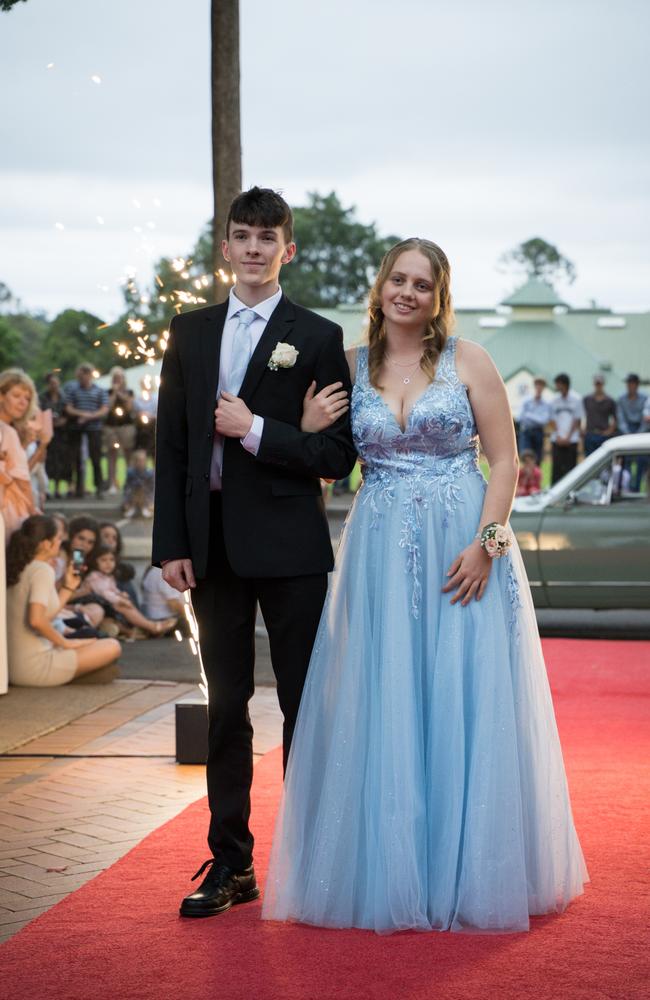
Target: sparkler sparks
{"x": 194, "y": 640}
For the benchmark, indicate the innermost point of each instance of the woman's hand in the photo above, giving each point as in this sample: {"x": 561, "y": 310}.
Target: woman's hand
{"x": 321, "y": 410}
{"x": 76, "y": 643}
{"x": 71, "y": 578}
{"x": 468, "y": 574}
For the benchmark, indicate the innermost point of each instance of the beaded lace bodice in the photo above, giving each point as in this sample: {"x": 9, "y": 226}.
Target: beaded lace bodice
{"x": 423, "y": 464}
{"x": 440, "y": 432}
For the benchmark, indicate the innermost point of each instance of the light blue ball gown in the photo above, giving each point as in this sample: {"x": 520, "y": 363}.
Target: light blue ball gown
{"x": 425, "y": 787}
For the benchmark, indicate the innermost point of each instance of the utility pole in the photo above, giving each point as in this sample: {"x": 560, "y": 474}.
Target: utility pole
{"x": 226, "y": 129}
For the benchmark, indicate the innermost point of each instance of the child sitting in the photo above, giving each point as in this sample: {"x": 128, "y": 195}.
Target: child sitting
{"x": 529, "y": 480}
{"x": 138, "y": 488}
{"x": 159, "y": 599}
{"x": 101, "y": 580}
{"x": 111, "y": 537}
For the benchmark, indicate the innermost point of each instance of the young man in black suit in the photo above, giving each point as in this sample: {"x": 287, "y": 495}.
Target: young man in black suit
{"x": 239, "y": 515}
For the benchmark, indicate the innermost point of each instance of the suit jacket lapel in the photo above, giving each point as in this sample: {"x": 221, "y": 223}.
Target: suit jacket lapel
{"x": 277, "y": 330}
{"x": 211, "y": 346}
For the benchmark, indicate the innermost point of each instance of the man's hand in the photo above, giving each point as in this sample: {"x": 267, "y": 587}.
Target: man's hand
{"x": 232, "y": 418}
{"x": 179, "y": 574}
{"x": 321, "y": 410}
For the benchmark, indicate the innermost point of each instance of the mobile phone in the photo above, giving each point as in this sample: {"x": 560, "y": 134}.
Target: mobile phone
{"x": 77, "y": 560}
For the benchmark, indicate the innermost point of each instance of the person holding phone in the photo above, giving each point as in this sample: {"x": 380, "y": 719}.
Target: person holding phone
{"x": 39, "y": 655}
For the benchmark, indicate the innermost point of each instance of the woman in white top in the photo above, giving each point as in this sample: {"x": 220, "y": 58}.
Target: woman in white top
{"x": 39, "y": 656}
{"x": 17, "y": 401}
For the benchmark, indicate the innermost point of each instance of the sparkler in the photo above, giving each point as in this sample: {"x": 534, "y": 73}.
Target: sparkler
{"x": 194, "y": 641}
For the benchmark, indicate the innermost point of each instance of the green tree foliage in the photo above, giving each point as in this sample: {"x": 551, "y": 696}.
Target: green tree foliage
{"x": 337, "y": 255}
{"x": 9, "y": 345}
{"x": 539, "y": 259}
{"x": 8, "y": 4}
{"x": 30, "y": 330}
{"x": 71, "y": 339}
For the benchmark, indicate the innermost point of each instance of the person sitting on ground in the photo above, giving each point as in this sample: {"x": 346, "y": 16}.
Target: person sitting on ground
{"x": 79, "y": 622}
{"x": 160, "y": 599}
{"x": 138, "y": 489}
{"x": 111, "y": 536}
{"x": 101, "y": 581}
{"x": 39, "y": 655}
{"x": 77, "y": 548}
{"x": 82, "y": 537}
{"x": 529, "y": 480}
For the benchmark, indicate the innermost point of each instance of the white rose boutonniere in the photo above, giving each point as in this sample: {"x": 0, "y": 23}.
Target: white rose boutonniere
{"x": 284, "y": 356}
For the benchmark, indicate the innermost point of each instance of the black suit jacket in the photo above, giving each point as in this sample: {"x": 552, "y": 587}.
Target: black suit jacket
{"x": 273, "y": 514}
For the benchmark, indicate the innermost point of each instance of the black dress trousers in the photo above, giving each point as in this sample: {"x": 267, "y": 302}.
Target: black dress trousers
{"x": 225, "y": 607}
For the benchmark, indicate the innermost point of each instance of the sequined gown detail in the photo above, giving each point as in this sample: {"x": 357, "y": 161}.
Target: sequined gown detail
{"x": 425, "y": 787}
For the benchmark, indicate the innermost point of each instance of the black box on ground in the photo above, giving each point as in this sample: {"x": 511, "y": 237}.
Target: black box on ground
{"x": 192, "y": 731}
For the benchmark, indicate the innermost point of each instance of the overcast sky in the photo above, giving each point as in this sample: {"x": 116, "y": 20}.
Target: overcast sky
{"x": 476, "y": 123}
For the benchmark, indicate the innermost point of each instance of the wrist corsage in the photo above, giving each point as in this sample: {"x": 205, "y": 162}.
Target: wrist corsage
{"x": 495, "y": 539}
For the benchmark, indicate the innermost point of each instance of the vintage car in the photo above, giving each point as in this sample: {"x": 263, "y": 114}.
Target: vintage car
{"x": 586, "y": 540}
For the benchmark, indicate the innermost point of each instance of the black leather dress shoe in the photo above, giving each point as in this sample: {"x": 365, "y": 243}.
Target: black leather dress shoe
{"x": 221, "y": 888}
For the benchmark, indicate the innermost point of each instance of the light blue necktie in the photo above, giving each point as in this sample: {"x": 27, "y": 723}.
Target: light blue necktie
{"x": 242, "y": 348}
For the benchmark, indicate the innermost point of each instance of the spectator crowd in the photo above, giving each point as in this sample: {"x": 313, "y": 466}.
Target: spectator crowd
{"x": 67, "y": 593}
{"x": 569, "y": 420}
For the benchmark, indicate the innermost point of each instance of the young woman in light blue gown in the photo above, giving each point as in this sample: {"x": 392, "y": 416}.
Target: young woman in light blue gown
{"x": 425, "y": 787}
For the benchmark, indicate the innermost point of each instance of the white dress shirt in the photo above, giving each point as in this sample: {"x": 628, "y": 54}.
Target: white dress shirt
{"x": 263, "y": 311}
{"x": 564, "y": 411}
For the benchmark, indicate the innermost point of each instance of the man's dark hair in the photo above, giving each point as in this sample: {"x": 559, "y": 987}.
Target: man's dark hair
{"x": 563, "y": 379}
{"x": 261, "y": 207}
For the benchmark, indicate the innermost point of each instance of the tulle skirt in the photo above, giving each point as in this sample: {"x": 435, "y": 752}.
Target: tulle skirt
{"x": 425, "y": 787}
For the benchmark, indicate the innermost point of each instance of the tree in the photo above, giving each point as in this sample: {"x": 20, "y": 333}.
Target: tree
{"x": 337, "y": 254}
{"x": 226, "y": 140}
{"x": 71, "y": 339}
{"x": 31, "y": 331}
{"x": 539, "y": 259}
{"x": 8, "y": 4}
{"x": 9, "y": 345}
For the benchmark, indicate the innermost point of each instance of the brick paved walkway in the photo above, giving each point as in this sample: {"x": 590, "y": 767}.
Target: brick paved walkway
{"x": 97, "y": 787}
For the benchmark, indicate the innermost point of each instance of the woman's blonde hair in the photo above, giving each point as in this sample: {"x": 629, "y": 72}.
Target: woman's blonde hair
{"x": 440, "y": 323}
{"x": 16, "y": 376}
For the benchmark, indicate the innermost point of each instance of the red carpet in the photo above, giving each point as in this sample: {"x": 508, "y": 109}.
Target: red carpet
{"x": 119, "y": 937}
